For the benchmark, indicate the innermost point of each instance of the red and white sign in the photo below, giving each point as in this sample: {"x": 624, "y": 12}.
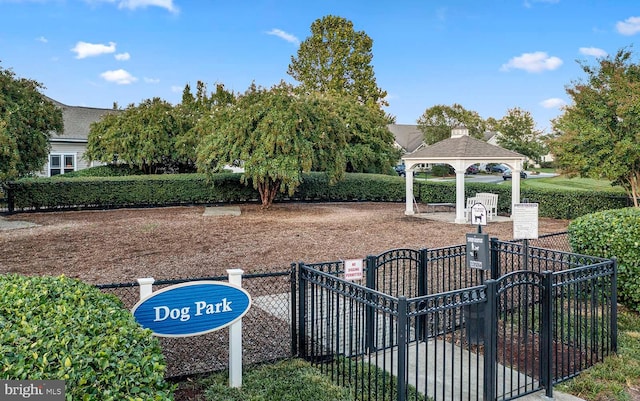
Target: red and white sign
{"x": 353, "y": 269}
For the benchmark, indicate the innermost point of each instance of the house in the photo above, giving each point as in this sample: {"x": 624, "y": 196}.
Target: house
{"x": 408, "y": 137}
{"x": 68, "y": 146}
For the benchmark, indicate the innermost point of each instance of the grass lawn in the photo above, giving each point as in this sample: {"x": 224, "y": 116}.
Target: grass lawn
{"x": 618, "y": 377}
{"x": 579, "y": 184}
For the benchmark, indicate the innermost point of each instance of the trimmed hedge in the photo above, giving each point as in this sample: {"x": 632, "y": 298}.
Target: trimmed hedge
{"x": 183, "y": 189}
{"x": 63, "y": 329}
{"x": 613, "y": 233}
{"x": 552, "y": 203}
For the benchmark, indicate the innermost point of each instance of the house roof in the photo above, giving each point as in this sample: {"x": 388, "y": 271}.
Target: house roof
{"x": 464, "y": 147}
{"x": 407, "y": 136}
{"x": 77, "y": 121}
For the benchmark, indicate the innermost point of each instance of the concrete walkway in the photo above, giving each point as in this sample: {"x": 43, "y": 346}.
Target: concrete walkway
{"x": 14, "y": 224}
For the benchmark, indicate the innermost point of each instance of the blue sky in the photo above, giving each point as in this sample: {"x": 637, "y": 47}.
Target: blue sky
{"x": 489, "y": 56}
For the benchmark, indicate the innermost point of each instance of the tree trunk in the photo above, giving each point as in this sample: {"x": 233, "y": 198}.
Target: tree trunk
{"x": 268, "y": 191}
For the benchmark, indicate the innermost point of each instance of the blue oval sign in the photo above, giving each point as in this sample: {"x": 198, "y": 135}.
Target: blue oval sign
{"x": 192, "y": 308}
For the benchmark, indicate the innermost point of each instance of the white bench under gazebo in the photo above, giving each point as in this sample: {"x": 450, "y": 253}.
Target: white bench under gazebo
{"x": 461, "y": 151}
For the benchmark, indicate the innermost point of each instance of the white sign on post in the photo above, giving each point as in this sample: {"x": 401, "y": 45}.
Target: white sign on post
{"x": 353, "y": 269}
{"x": 525, "y": 221}
{"x": 479, "y": 214}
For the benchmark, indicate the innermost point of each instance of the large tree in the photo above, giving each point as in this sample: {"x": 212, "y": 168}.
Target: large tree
{"x": 190, "y": 111}
{"x": 278, "y": 135}
{"x": 437, "y": 122}
{"x": 336, "y": 59}
{"x": 599, "y": 133}
{"x": 369, "y": 142}
{"x": 142, "y": 136}
{"x": 27, "y": 120}
{"x": 517, "y": 132}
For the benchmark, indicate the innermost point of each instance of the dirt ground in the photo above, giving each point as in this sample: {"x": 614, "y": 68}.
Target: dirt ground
{"x": 114, "y": 246}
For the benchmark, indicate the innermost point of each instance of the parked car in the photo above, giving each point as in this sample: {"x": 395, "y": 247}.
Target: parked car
{"x": 400, "y": 170}
{"x": 496, "y": 168}
{"x": 472, "y": 169}
{"x": 507, "y": 174}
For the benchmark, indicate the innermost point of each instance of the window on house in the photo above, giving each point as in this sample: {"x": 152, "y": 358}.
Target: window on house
{"x": 60, "y": 164}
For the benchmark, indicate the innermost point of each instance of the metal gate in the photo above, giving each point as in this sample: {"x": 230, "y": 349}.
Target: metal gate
{"x": 421, "y": 325}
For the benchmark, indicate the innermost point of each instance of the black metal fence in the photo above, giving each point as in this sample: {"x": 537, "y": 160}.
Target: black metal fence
{"x": 421, "y": 324}
{"x": 266, "y": 327}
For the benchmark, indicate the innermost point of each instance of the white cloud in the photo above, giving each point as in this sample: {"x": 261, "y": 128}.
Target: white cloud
{"x": 120, "y": 77}
{"x": 151, "y": 80}
{"x": 553, "y": 103}
{"x": 593, "y": 51}
{"x": 134, "y": 4}
{"x": 629, "y": 27}
{"x": 284, "y": 35}
{"x": 42, "y": 39}
{"x": 532, "y": 62}
{"x": 176, "y": 89}
{"x": 84, "y": 49}
{"x": 122, "y": 56}
{"x": 529, "y": 3}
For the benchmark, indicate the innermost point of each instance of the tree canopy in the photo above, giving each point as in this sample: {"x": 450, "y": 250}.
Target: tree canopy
{"x": 278, "y": 135}
{"x": 336, "y": 59}
{"x": 599, "y": 133}
{"x": 190, "y": 111}
{"x": 27, "y": 120}
{"x": 437, "y": 122}
{"x": 141, "y": 136}
{"x": 518, "y": 133}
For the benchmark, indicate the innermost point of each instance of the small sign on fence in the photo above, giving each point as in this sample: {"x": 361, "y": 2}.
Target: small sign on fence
{"x": 353, "y": 269}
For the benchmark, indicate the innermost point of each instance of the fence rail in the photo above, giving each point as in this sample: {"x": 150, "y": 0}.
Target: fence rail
{"x": 266, "y": 327}
{"x": 421, "y": 324}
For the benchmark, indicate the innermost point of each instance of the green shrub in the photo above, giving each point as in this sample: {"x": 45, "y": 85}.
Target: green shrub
{"x": 63, "y": 329}
{"x": 613, "y": 233}
{"x": 63, "y": 192}
{"x": 109, "y": 170}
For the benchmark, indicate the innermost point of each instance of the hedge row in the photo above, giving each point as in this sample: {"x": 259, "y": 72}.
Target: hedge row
{"x": 552, "y": 203}
{"x": 163, "y": 190}
{"x": 613, "y": 233}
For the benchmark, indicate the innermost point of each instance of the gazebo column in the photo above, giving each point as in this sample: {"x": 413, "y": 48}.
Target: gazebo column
{"x": 460, "y": 195}
{"x": 408, "y": 182}
{"x": 515, "y": 187}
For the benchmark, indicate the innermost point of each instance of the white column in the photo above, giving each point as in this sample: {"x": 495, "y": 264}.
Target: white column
{"x": 460, "y": 201}
{"x": 408, "y": 183}
{"x": 146, "y": 286}
{"x": 235, "y": 337}
{"x": 515, "y": 187}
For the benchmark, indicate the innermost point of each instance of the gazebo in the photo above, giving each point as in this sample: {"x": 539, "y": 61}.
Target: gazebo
{"x": 461, "y": 151}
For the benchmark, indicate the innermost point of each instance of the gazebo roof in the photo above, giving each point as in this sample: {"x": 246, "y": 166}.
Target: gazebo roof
{"x": 463, "y": 147}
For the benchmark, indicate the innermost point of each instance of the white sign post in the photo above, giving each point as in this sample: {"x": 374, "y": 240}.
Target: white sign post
{"x": 525, "y": 221}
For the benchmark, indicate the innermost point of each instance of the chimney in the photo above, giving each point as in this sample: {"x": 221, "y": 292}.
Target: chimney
{"x": 459, "y": 132}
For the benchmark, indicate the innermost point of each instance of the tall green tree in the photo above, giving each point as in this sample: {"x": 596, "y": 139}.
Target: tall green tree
{"x": 190, "y": 111}
{"x": 336, "y": 59}
{"x": 142, "y": 136}
{"x": 278, "y": 135}
{"x": 518, "y": 133}
{"x": 599, "y": 133}
{"x": 370, "y": 143}
{"x": 437, "y": 122}
{"x": 27, "y": 119}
